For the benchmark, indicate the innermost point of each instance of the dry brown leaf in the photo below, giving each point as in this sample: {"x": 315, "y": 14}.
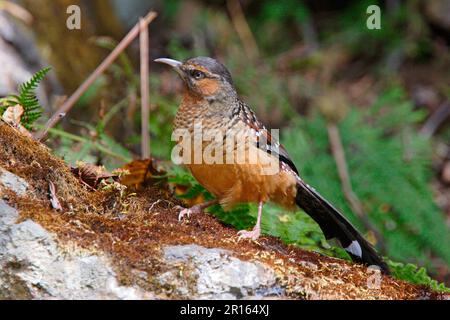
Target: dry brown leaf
{"x": 91, "y": 175}
{"x": 12, "y": 116}
{"x": 141, "y": 173}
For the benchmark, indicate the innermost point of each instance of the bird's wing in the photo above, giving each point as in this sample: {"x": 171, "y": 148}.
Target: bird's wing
{"x": 332, "y": 222}
{"x": 266, "y": 141}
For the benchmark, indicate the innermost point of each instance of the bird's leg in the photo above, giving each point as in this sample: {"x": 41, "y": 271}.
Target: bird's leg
{"x": 256, "y": 232}
{"x": 195, "y": 209}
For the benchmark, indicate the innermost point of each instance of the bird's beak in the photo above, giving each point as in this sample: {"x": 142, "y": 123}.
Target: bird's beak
{"x": 173, "y": 63}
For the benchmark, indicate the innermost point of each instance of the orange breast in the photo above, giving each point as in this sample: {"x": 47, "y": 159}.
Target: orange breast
{"x": 247, "y": 182}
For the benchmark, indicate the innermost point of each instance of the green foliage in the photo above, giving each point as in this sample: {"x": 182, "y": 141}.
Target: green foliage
{"x": 27, "y": 99}
{"x": 93, "y": 146}
{"x": 389, "y": 168}
{"x": 403, "y": 33}
{"x": 75, "y": 148}
{"x": 416, "y": 275}
{"x": 92, "y": 92}
{"x": 171, "y": 8}
{"x": 161, "y": 121}
{"x": 273, "y": 18}
{"x": 179, "y": 176}
{"x": 278, "y": 11}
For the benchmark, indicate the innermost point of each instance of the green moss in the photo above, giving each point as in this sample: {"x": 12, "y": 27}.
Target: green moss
{"x": 413, "y": 274}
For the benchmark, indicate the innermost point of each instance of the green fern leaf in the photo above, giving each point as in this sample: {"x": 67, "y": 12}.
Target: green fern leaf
{"x": 28, "y": 100}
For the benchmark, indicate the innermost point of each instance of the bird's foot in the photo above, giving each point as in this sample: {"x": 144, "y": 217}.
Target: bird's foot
{"x": 254, "y": 234}
{"x": 187, "y": 212}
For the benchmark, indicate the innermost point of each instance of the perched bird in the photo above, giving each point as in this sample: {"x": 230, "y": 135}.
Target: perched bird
{"x": 210, "y": 102}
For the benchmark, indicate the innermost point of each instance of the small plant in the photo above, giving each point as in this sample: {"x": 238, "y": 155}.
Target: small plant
{"x": 413, "y": 274}
{"x": 27, "y": 99}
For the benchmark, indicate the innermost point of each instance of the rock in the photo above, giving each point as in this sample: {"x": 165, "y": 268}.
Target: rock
{"x": 34, "y": 266}
{"x": 13, "y": 71}
{"x": 216, "y": 274}
{"x": 19, "y": 58}
{"x": 13, "y": 182}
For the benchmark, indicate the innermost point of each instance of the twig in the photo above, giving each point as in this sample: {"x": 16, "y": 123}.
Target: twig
{"x": 339, "y": 157}
{"x": 242, "y": 28}
{"x": 435, "y": 120}
{"x": 53, "y": 198}
{"x": 145, "y": 97}
{"x": 62, "y": 111}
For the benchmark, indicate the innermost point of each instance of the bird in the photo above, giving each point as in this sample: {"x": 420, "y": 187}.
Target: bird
{"x": 259, "y": 170}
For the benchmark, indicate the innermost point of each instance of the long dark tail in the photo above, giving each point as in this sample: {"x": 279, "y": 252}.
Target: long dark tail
{"x": 335, "y": 225}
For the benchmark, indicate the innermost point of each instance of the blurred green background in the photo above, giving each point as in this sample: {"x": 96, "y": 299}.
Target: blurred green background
{"x": 312, "y": 69}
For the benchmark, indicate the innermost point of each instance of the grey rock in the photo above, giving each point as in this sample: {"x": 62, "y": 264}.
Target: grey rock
{"x": 13, "y": 71}
{"x": 34, "y": 266}
{"x": 19, "y": 58}
{"x": 216, "y": 274}
{"x": 13, "y": 182}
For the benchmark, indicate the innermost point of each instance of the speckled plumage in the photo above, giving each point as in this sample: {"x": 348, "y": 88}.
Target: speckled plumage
{"x": 210, "y": 99}
{"x": 236, "y": 183}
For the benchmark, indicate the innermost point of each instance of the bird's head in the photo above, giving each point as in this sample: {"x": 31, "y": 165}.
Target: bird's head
{"x": 204, "y": 77}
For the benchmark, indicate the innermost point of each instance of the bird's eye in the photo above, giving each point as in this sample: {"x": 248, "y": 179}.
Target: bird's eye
{"x": 197, "y": 75}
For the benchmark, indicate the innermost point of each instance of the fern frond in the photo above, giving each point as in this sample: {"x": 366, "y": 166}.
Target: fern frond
{"x": 27, "y": 89}
{"x": 28, "y": 100}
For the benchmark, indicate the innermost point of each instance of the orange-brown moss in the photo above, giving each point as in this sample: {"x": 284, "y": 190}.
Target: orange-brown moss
{"x": 132, "y": 228}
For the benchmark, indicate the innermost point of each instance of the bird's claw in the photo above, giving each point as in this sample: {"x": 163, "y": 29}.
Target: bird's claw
{"x": 187, "y": 212}
{"x": 253, "y": 235}
{"x": 184, "y": 213}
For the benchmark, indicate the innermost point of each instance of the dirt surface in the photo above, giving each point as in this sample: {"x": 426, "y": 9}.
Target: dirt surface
{"x": 131, "y": 228}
